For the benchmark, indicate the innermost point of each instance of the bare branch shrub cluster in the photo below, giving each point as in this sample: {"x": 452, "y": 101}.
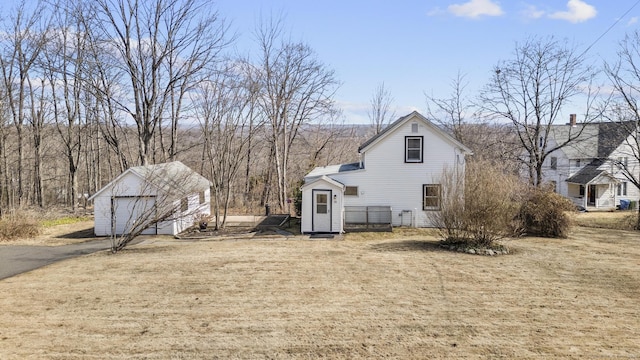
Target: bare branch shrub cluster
{"x": 545, "y": 213}
{"x": 18, "y": 224}
{"x": 490, "y": 204}
{"x": 480, "y": 208}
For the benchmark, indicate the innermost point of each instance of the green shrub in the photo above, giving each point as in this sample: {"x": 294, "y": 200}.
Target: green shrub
{"x": 544, "y": 213}
{"x": 18, "y": 225}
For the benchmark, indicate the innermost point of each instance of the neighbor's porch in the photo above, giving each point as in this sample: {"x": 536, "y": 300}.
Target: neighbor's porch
{"x": 594, "y": 196}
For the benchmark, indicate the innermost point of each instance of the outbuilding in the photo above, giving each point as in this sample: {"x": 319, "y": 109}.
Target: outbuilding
{"x": 163, "y": 198}
{"x": 322, "y": 198}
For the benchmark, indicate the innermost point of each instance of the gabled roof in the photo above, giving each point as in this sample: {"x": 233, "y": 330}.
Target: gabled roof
{"x": 590, "y": 175}
{"x": 333, "y": 169}
{"x": 597, "y": 140}
{"x": 413, "y": 115}
{"x": 326, "y": 179}
{"x": 172, "y": 177}
{"x": 587, "y": 173}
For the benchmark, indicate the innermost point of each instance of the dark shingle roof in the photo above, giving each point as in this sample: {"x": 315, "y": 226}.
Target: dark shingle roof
{"x": 612, "y": 134}
{"x": 587, "y": 173}
{"x": 597, "y": 141}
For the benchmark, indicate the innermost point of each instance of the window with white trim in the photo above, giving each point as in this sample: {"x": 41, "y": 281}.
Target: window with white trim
{"x": 554, "y": 163}
{"x": 622, "y": 189}
{"x": 431, "y": 196}
{"x": 413, "y": 149}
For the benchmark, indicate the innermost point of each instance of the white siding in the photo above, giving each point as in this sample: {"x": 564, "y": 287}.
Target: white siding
{"x": 102, "y": 215}
{"x": 131, "y": 185}
{"x": 388, "y": 181}
{"x": 624, "y": 150}
{"x": 336, "y": 208}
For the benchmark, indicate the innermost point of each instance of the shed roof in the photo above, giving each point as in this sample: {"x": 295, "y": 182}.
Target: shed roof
{"x": 333, "y": 169}
{"x": 325, "y": 179}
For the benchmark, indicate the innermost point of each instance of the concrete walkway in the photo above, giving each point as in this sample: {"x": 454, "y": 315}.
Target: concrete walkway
{"x": 18, "y": 259}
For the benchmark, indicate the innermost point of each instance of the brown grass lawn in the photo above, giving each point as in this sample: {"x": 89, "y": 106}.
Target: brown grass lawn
{"x": 623, "y": 220}
{"x": 286, "y": 299}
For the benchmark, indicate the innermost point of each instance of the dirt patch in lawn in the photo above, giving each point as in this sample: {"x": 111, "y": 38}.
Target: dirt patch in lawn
{"x": 285, "y": 299}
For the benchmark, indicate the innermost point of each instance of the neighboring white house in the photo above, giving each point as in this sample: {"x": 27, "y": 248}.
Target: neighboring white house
{"x": 588, "y": 170}
{"x": 396, "y": 181}
{"x": 163, "y": 198}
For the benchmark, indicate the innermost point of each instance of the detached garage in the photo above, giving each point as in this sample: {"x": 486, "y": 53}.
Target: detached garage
{"x": 154, "y": 199}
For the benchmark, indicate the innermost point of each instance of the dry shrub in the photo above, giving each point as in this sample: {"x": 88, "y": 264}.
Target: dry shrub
{"x": 545, "y": 213}
{"x": 19, "y": 224}
{"x": 630, "y": 222}
{"x": 483, "y": 209}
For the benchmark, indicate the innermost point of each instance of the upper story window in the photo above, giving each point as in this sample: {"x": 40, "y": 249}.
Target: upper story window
{"x": 622, "y": 162}
{"x": 554, "y": 163}
{"x": 577, "y": 162}
{"x": 413, "y": 149}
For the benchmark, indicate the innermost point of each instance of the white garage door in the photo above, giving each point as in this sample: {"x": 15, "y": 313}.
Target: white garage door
{"x": 129, "y": 211}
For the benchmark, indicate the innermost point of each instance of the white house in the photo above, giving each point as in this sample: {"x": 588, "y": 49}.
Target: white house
{"x": 590, "y": 170}
{"x": 162, "y": 199}
{"x": 396, "y": 181}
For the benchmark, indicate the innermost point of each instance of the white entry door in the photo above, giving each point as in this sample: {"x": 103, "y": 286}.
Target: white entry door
{"x": 322, "y": 210}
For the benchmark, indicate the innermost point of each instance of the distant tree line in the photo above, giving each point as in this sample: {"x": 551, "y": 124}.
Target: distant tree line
{"x": 89, "y": 89}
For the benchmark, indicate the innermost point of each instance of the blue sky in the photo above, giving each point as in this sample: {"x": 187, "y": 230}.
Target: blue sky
{"x": 418, "y": 47}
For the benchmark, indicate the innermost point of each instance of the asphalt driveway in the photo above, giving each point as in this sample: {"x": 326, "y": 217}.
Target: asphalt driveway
{"x": 18, "y": 259}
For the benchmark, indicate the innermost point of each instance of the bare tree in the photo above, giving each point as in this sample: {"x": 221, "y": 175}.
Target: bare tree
{"x": 64, "y": 66}
{"x": 22, "y": 42}
{"x": 490, "y": 140}
{"x": 224, "y": 109}
{"x": 624, "y": 74}
{"x": 530, "y": 91}
{"x": 296, "y": 88}
{"x": 317, "y": 138}
{"x": 159, "y": 47}
{"x": 452, "y": 113}
{"x": 380, "y": 114}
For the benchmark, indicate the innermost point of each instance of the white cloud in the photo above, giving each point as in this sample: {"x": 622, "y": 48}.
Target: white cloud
{"x": 632, "y": 21}
{"x": 435, "y": 12}
{"x": 577, "y": 11}
{"x": 476, "y": 8}
{"x": 532, "y": 12}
